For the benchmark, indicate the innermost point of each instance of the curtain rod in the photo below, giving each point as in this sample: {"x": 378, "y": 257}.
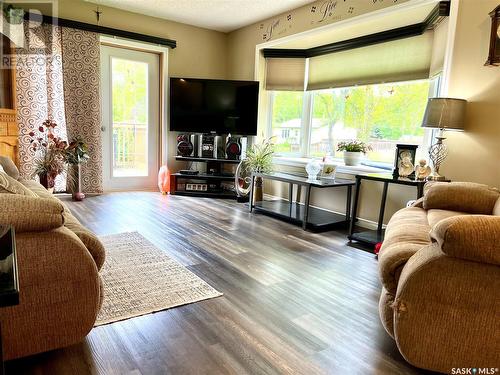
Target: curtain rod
{"x": 99, "y": 29}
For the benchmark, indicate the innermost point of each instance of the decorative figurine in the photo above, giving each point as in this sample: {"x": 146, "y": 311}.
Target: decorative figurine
{"x": 422, "y": 170}
{"x": 405, "y": 166}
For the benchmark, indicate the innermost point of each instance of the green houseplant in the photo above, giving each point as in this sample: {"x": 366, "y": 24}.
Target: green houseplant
{"x": 259, "y": 159}
{"x": 76, "y": 155}
{"x": 353, "y": 151}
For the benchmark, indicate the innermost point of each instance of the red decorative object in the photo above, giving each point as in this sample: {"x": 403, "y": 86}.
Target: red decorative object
{"x": 378, "y": 245}
{"x": 164, "y": 180}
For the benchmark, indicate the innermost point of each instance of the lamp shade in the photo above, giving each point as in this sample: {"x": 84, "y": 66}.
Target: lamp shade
{"x": 444, "y": 113}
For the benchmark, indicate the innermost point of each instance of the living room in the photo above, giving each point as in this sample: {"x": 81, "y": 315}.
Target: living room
{"x": 239, "y": 186}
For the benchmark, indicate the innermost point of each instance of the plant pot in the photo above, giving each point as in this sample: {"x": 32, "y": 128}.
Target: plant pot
{"x": 47, "y": 182}
{"x": 258, "y": 192}
{"x": 352, "y": 158}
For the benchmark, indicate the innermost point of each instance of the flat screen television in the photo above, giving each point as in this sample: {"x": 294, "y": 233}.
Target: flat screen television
{"x": 213, "y": 106}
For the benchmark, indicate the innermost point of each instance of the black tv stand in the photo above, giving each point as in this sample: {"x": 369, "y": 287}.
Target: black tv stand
{"x": 218, "y": 184}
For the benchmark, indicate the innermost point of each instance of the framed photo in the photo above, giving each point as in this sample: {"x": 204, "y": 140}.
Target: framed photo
{"x": 404, "y": 153}
{"x": 329, "y": 170}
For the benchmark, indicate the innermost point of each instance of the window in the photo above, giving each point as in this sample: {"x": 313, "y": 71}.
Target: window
{"x": 287, "y": 121}
{"x": 381, "y": 115}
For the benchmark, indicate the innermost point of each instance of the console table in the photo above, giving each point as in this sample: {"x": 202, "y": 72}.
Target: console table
{"x": 372, "y": 237}
{"x": 9, "y": 283}
{"x": 294, "y": 212}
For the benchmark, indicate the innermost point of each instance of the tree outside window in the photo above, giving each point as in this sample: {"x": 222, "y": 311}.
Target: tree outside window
{"x": 382, "y": 115}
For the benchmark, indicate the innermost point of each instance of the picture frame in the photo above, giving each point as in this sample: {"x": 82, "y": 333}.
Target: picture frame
{"x": 403, "y": 150}
{"x": 329, "y": 170}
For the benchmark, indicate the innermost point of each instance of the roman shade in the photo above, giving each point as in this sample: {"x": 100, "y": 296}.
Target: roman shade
{"x": 395, "y": 61}
{"x": 438, "y": 48}
{"x": 286, "y": 74}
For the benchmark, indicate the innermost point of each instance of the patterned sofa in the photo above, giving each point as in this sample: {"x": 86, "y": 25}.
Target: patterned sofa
{"x": 440, "y": 270}
{"x": 59, "y": 262}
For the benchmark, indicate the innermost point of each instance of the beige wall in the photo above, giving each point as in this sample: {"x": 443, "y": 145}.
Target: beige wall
{"x": 475, "y": 153}
{"x": 199, "y": 53}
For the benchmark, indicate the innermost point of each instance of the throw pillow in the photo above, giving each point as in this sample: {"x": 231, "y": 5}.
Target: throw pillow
{"x": 9, "y": 167}
{"x": 11, "y": 186}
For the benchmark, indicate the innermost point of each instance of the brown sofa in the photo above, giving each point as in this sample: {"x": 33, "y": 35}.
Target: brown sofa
{"x": 59, "y": 261}
{"x": 440, "y": 270}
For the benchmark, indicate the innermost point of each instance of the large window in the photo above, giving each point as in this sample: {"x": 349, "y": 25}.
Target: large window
{"x": 381, "y": 115}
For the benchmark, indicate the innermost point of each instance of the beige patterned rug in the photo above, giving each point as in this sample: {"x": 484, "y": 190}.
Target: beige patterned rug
{"x": 140, "y": 279}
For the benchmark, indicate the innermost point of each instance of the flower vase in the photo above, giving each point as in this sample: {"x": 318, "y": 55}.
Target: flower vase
{"x": 78, "y": 195}
{"x": 47, "y": 182}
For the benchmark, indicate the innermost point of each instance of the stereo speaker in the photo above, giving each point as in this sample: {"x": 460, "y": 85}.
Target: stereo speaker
{"x": 236, "y": 148}
{"x": 184, "y": 145}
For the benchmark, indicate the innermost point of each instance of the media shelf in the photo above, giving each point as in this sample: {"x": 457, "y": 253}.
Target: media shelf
{"x": 205, "y": 160}
{"x": 209, "y": 185}
{"x": 202, "y": 176}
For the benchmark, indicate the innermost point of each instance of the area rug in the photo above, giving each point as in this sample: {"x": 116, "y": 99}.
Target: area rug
{"x": 140, "y": 279}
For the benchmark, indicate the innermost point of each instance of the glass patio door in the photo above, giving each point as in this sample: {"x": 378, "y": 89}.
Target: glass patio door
{"x": 131, "y": 107}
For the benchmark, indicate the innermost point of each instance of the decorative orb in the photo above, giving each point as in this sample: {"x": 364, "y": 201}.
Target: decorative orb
{"x": 312, "y": 169}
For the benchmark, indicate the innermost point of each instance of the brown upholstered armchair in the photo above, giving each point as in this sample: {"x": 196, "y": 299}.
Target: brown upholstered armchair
{"x": 60, "y": 288}
{"x": 440, "y": 271}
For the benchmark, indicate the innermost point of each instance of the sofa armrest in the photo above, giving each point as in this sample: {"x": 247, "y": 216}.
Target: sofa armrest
{"x": 460, "y": 196}
{"x": 470, "y": 237}
{"x": 30, "y": 214}
{"x": 446, "y": 311}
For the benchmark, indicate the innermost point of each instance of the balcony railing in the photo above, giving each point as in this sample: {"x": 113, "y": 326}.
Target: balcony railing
{"x": 130, "y": 147}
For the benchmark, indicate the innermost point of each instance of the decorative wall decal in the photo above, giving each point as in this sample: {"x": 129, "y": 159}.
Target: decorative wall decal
{"x": 325, "y": 11}
{"x": 317, "y": 14}
{"x": 276, "y": 27}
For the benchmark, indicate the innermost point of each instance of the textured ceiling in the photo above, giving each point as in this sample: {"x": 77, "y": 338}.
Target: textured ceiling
{"x": 220, "y": 15}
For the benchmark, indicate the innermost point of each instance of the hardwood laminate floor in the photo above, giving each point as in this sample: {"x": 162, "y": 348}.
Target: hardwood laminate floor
{"x": 294, "y": 302}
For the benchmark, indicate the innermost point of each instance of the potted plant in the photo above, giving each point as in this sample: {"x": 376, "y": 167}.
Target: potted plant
{"x": 353, "y": 151}
{"x": 76, "y": 155}
{"x": 50, "y": 151}
{"x": 260, "y": 160}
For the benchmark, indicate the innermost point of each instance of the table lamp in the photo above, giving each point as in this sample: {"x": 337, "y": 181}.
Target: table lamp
{"x": 443, "y": 114}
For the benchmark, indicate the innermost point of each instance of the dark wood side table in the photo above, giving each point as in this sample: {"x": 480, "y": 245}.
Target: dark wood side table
{"x": 296, "y": 213}
{"x": 9, "y": 282}
{"x": 372, "y": 237}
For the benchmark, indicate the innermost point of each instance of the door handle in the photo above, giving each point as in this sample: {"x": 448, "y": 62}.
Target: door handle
{"x": 103, "y": 128}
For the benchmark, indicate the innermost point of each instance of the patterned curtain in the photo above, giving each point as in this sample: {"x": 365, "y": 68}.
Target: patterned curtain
{"x": 81, "y": 71}
{"x": 39, "y": 90}
{"x": 58, "y": 77}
